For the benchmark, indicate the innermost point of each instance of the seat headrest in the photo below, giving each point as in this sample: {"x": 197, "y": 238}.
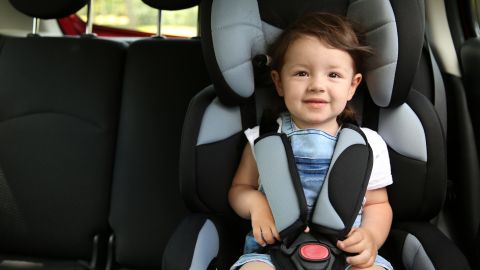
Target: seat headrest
{"x": 234, "y": 32}
{"x": 171, "y": 5}
{"x": 48, "y": 9}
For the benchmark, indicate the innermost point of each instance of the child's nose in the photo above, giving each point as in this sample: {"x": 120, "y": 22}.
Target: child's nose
{"x": 317, "y": 84}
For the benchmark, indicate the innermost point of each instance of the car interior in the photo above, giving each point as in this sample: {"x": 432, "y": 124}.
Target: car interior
{"x": 118, "y": 152}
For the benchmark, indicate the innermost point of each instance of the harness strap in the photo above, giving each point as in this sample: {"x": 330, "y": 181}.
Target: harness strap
{"x": 248, "y": 113}
{"x": 346, "y": 182}
{"x": 338, "y": 203}
{"x": 334, "y": 212}
{"x": 281, "y": 184}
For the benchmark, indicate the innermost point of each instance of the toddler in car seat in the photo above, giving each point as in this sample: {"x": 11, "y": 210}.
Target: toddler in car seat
{"x": 316, "y": 65}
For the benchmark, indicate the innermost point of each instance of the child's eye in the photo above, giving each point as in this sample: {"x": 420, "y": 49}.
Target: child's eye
{"x": 334, "y": 75}
{"x": 301, "y": 74}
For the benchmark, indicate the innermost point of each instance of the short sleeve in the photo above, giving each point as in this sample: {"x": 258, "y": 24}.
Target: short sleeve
{"x": 252, "y": 134}
{"x": 381, "y": 175}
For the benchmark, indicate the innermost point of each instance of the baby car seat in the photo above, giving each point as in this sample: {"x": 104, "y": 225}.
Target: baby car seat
{"x": 234, "y": 34}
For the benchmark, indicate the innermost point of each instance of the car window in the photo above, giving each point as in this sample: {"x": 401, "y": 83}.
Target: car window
{"x": 137, "y": 16}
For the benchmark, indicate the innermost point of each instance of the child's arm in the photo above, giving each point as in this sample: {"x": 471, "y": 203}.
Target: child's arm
{"x": 376, "y": 222}
{"x": 250, "y": 203}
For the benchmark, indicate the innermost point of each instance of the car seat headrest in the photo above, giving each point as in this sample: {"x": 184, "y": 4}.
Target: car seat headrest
{"x": 48, "y": 9}
{"x": 171, "y": 5}
{"x": 234, "y": 32}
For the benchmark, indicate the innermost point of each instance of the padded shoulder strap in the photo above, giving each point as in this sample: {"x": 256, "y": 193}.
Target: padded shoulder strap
{"x": 341, "y": 196}
{"x": 346, "y": 182}
{"x": 281, "y": 183}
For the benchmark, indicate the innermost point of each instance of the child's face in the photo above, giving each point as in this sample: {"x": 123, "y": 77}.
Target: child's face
{"x": 316, "y": 83}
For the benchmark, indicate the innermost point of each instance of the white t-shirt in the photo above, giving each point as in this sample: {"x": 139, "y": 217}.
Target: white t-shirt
{"x": 381, "y": 175}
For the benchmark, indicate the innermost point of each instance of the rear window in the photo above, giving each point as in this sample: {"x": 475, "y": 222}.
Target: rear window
{"x": 137, "y": 16}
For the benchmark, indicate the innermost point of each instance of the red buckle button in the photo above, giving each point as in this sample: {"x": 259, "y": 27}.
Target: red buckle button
{"x": 314, "y": 252}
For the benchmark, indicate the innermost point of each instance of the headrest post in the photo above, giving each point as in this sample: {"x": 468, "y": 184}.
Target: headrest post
{"x": 159, "y": 23}
{"x": 89, "y": 25}
{"x": 36, "y": 26}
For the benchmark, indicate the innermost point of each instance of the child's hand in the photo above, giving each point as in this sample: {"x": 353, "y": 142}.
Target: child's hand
{"x": 359, "y": 241}
{"x": 263, "y": 225}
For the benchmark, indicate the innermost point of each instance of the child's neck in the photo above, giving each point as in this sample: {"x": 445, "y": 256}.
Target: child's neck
{"x": 330, "y": 129}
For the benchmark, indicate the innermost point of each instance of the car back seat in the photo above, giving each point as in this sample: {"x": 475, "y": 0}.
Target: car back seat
{"x": 59, "y": 102}
{"x": 161, "y": 76}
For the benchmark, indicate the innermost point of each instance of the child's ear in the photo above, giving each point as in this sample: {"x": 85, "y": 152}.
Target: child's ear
{"x": 357, "y": 78}
{"x": 276, "y": 80}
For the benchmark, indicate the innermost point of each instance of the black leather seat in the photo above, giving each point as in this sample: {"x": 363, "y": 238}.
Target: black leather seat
{"x": 59, "y": 100}
{"x": 161, "y": 77}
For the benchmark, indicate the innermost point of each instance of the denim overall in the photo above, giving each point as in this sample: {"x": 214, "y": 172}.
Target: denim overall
{"x": 312, "y": 150}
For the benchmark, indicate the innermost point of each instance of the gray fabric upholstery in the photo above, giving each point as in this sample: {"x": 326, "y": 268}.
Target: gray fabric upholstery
{"x": 324, "y": 213}
{"x": 219, "y": 122}
{"x": 414, "y": 256}
{"x": 239, "y": 36}
{"x": 276, "y": 180}
{"x": 207, "y": 246}
{"x": 392, "y": 126}
{"x": 381, "y": 35}
{"x": 271, "y": 32}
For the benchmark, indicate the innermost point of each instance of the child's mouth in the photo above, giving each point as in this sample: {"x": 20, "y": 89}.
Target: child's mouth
{"x": 315, "y": 103}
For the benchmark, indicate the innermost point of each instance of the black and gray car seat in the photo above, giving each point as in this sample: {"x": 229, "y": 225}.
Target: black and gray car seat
{"x": 234, "y": 33}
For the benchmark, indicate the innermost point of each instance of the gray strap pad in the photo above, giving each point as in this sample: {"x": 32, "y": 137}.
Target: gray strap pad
{"x": 346, "y": 182}
{"x": 281, "y": 183}
{"x": 342, "y": 193}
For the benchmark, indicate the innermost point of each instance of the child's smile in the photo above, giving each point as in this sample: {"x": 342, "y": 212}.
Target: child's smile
{"x": 316, "y": 103}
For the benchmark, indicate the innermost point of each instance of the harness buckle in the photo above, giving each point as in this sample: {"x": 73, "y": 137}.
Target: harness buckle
{"x": 314, "y": 252}
{"x": 308, "y": 252}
